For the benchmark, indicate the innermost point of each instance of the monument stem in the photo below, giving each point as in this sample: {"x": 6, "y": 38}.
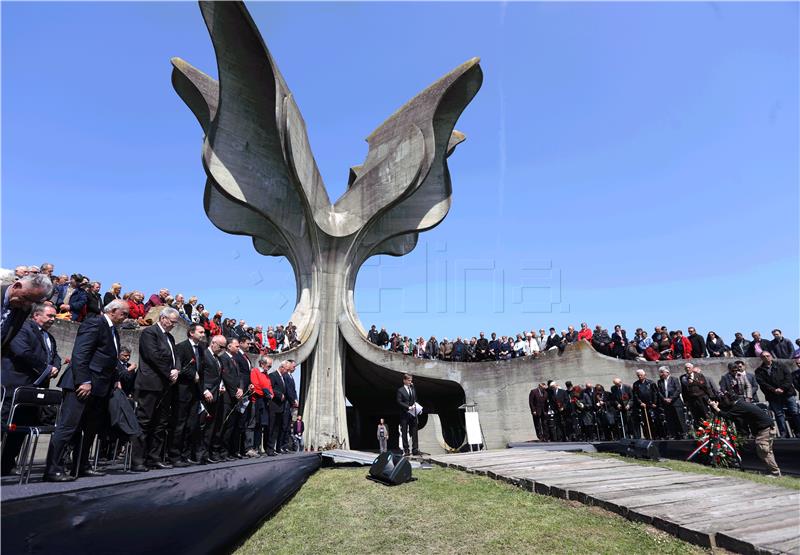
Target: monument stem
{"x": 324, "y": 405}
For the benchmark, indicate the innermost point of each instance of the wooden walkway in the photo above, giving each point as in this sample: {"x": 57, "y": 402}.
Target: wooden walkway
{"x": 731, "y": 513}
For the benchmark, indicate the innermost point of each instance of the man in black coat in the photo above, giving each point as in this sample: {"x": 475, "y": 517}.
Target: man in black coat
{"x": 383, "y": 338}
{"x": 212, "y": 448}
{"x": 155, "y": 388}
{"x": 620, "y": 341}
{"x": 482, "y": 348}
{"x": 740, "y": 346}
{"x": 780, "y": 347}
{"x": 537, "y": 401}
{"x": 645, "y": 401}
{"x": 669, "y": 392}
{"x": 622, "y": 401}
{"x": 406, "y": 397}
{"x": 276, "y": 408}
{"x": 17, "y": 301}
{"x": 30, "y": 359}
{"x": 776, "y": 382}
{"x": 87, "y": 385}
{"x": 189, "y": 390}
{"x": 234, "y": 391}
{"x": 698, "y": 343}
{"x": 372, "y": 336}
{"x": 243, "y": 365}
{"x": 755, "y": 418}
{"x": 290, "y": 403}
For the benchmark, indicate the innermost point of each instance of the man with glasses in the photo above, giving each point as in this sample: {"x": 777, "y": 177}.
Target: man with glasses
{"x": 158, "y": 372}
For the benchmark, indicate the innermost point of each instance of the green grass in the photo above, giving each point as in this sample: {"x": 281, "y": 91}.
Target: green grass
{"x": 445, "y": 511}
{"x": 683, "y": 466}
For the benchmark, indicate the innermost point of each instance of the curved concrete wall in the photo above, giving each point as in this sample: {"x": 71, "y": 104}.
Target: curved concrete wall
{"x": 500, "y": 388}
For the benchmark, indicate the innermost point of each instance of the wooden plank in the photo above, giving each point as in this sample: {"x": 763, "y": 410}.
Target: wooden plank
{"x": 728, "y": 541}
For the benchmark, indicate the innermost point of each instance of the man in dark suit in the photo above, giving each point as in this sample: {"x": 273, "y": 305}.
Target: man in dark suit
{"x": 621, "y": 398}
{"x": 698, "y": 343}
{"x": 189, "y": 390}
{"x": 158, "y": 372}
{"x": 213, "y": 402}
{"x": 87, "y": 386}
{"x": 30, "y": 359}
{"x": 645, "y": 401}
{"x": 406, "y": 397}
{"x": 243, "y": 365}
{"x": 558, "y": 400}
{"x": 276, "y": 407}
{"x": 289, "y": 404}
{"x": 537, "y": 401}
{"x": 17, "y": 301}
{"x": 230, "y": 397}
{"x": 669, "y": 392}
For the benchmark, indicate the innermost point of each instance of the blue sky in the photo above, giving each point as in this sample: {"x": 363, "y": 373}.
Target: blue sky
{"x": 625, "y": 163}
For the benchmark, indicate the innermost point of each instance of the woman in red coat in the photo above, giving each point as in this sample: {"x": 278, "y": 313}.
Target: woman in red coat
{"x": 257, "y": 434}
{"x": 681, "y": 347}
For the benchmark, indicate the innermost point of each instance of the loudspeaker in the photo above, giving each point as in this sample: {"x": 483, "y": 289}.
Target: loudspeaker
{"x": 640, "y": 449}
{"x": 390, "y": 469}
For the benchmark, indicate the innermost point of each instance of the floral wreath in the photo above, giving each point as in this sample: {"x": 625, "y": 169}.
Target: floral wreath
{"x": 717, "y": 443}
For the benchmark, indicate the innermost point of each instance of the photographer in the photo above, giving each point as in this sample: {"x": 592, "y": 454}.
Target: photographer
{"x": 733, "y": 408}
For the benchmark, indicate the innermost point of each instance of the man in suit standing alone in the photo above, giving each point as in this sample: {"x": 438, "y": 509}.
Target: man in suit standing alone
{"x": 537, "y": 401}
{"x": 31, "y": 359}
{"x": 87, "y": 386}
{"x": 158, "y": 372}
{"x": 406, "y": 397}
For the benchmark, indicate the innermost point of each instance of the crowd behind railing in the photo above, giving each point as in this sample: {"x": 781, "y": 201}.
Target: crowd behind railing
{"x": 661, "y": 345}
{"x": 76, "y": 297}
{"x": 197, "y": 400}
{"x": 673, "y": 408}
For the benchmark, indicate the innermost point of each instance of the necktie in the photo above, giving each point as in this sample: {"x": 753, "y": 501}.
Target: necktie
{"x": 171, "y": 350}
{"x": 115, "y": 337}
{"x": 47, "y": 346}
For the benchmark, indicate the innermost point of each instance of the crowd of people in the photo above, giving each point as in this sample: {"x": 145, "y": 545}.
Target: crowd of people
{"x": 671, "y": 407}
{"x": 77, "y": 297}
{"x": 197, "y": 401}
{"x": 661, "y": 345}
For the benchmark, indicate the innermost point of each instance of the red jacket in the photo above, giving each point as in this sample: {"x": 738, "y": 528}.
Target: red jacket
{"x": 260, "y": 382}
{"x": 135, "y": 310}
{"x": 585, "y": 334}
{"x": 687, "y": 347}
